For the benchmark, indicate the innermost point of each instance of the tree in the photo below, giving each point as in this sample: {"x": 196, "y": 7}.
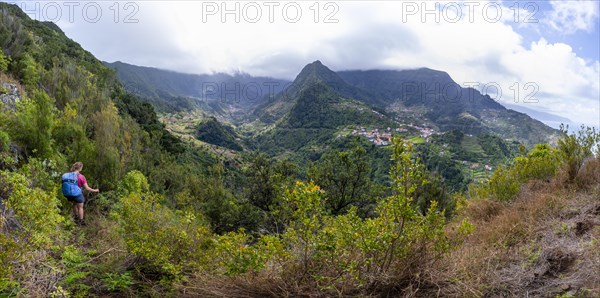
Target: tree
{"x": 30, "y": 74}
{"x": 575, "y": 148}
{"x": 107, "y": 165}
{"x": 261, "y": 188}
{"x": 32, "y": 124}
{"x": 344, "y": 176}
{"x": 4, "y": 61}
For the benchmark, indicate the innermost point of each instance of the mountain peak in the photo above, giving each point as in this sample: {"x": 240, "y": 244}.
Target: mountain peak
{"x": 316, "y": 70}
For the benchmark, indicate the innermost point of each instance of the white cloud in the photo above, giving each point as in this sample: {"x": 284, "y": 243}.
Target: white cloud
{"x": 569, "y": 17}
{"x": 368, "y": 35}
{"x": 493, "y": 52}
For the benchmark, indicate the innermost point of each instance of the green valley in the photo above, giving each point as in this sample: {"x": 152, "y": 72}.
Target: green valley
{"x": 355, "y": 183}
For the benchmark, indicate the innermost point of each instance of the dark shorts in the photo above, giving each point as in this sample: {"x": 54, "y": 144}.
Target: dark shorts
{"x": 76, "y": 199}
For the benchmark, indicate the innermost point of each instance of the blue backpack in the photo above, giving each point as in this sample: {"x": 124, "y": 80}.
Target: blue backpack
{"x": 69, "y": 184}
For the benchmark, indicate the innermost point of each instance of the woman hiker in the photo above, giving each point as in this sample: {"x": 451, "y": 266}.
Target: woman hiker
{"x": 72, "y": 183}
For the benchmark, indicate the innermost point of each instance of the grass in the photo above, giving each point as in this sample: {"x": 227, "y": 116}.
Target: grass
{"x": 545, "y": 243}
{"x": 417, "y": 140}
{"x": 471, "y": 145}
{"x": 183, "y": 126}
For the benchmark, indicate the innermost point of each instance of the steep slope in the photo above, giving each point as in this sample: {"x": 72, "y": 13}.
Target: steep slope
{"x": 213, "y": 132}
{"x": 544, "y": 244}
{"x": 317, "y": 72}
{"x": 174, "y": 91}
{"x": 314, "y": 72}
{"x": 314, "y": 117}
{"x": 319, "y": 106}
{"x": 83, "y": 103}
{"x": 447, "y": 104}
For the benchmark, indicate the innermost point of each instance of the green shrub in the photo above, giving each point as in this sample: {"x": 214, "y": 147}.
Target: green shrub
{"x": 29, "y": 70}
{"x": 36, "y": 210}
{"x": 31, "y": 126}
{"x": 4, "y": 141}
{"x": 133, "y": 182}
{"x": 41, "y": 173}
{"x": 540, "y": 163}
{"x": 116, "y": 282}
{"x": 4, "y": 61}
{"x": 8, "y": 256}
{"x": 504, "y": 185}
{"x": 77, "y": 269}
{"x": 6, "y": 158}
{"x": 233, "y": 255}
{"x": 171, "y": 241}
{"x": 575, "y": 148}
{"x": 344, "y": 254}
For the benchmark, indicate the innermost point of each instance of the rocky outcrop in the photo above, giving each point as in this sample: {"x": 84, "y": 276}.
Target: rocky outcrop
{"x": 9, "y": 95}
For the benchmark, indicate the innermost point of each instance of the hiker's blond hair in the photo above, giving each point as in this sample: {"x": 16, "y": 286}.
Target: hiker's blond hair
{"x": 77, "y": 166}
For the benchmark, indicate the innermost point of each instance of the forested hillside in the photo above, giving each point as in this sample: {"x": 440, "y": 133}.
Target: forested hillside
{"x": 174, "y": 219}
{"x": 172, "y": 91}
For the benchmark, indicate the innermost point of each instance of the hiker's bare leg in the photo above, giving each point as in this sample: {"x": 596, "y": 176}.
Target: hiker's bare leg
{"x": 75, "y": 210}
{"x": 79, "y": 207}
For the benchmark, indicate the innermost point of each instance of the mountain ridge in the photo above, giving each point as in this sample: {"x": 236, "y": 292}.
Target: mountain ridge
{"x": 160, "y": 86}
{"x": 313, "y": 73}
{"x": 421, "y": 95}
{"x": 466, "y": 109}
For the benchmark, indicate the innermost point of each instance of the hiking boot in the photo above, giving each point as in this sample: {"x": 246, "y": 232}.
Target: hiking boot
{"x": 80, "y": 222}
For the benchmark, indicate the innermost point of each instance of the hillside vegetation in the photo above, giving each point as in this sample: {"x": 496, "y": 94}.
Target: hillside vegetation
{"x": 213, "y": 132}
{"x": 176, "y": 220}
{"x": 171, "y": 91}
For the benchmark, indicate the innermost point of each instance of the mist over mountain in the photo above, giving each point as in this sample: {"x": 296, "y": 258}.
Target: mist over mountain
{"x": 548, "y": 118}
{"x": 170, "y": 90}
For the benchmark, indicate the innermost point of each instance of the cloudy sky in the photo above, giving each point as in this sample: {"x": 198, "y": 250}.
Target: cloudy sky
{"x": 543, "y": 55}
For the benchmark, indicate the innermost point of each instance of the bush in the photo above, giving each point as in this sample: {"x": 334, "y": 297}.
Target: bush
{"x": 576, "y": 148}
{"x": 4, "y": 141}
{"x": 344, "y": 254}
{"x": 116, "y": 282}
{"x": 35, "y": 210}
{"x": 31, "y": 218}
{"x": 504, "y": 185}
{"x": 540, "y": 163}
{"x": 133, "y": 182}
{"x": 344, "y": 176}
{"x": 29, "y": 70}
{"x": 4, "y": 61}
{"x": 41, "y": 173}
{"x": 8, "y": 256}
{"x": 31, "y": 126}
{"x": 234, "y": 256}
{"x": 172, "y": 242}
{"x": 77, "y": 268}
{"x": 6, "y": 158}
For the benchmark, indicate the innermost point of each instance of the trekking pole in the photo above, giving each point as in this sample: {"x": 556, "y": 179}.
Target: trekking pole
{"x": 91, "y": 196}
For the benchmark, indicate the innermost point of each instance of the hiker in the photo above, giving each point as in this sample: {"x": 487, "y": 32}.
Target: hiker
{"x": 72, "y": 183}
